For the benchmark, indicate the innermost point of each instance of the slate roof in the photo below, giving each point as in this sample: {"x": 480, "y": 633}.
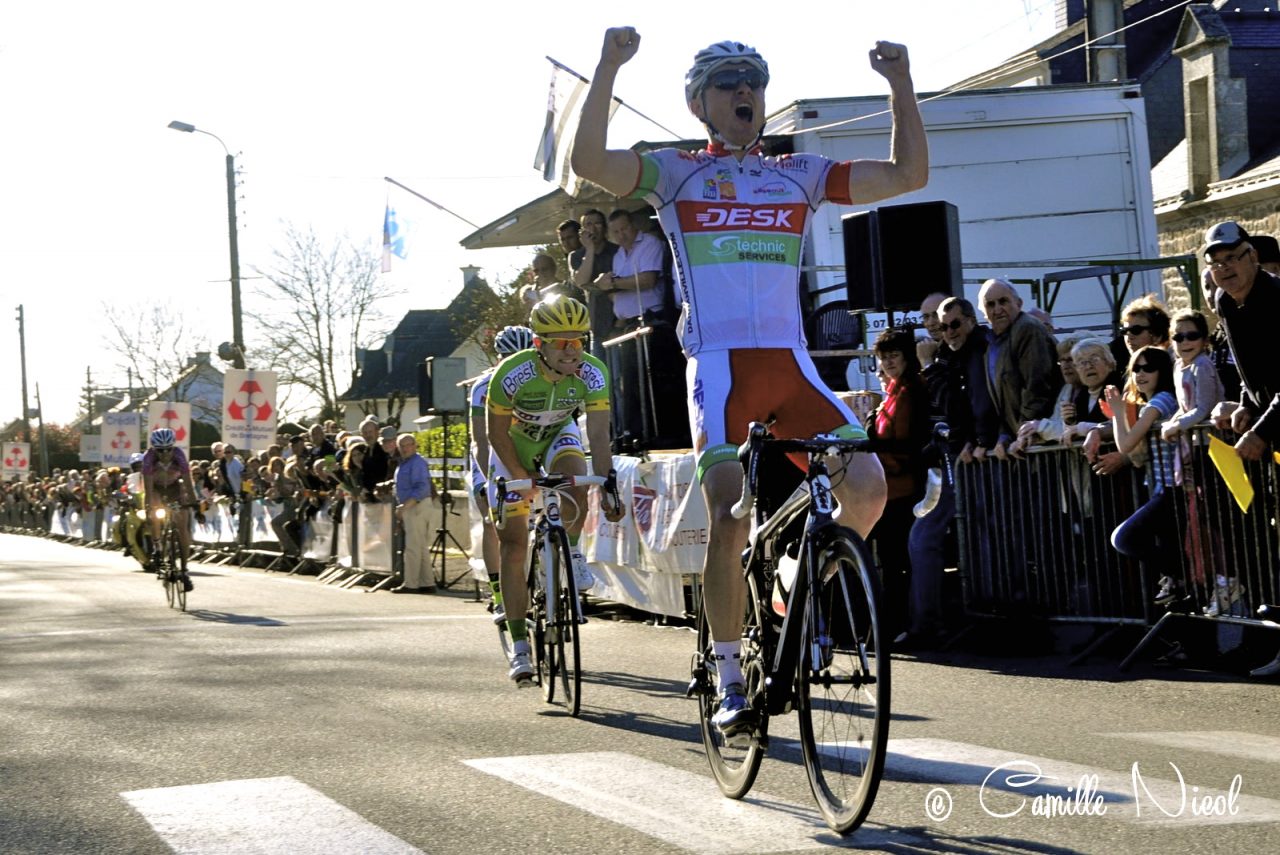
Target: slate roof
{"x": 420, "y": 333}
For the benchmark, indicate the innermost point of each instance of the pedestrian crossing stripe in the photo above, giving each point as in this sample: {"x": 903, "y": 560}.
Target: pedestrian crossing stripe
{"x": 1007, "y": 784}
{"x": 264, "y": 816}
{"x": 675, "y": 806}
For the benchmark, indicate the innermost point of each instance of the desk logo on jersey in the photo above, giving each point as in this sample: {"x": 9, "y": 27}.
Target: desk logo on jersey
{"x": 704, "y": 217}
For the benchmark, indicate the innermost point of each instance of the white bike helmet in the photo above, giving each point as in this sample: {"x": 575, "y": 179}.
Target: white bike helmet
{"x": 513, "y": 339}
{"x": 162, "y": 438}
{"x": 711, "y": 59}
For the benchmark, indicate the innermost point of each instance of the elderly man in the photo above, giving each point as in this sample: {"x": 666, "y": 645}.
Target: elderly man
{"x": 1022, "y": 362}
{"x": 1247, "y": 301}
{"x": 413, "y": 490}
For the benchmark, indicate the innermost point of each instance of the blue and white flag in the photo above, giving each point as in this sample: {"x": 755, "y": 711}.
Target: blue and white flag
{"x": 393, "y": 234}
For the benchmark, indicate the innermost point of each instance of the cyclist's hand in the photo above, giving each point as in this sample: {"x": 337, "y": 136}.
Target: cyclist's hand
{"x": 614, "y": 511}
{"x": 620, "y": 44}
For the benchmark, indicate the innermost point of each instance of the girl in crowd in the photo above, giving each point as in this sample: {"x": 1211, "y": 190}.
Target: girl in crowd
{"x": 1151, "y": 535}
{"x": 1199, "y": 389}
{"x": 1195, "y": 380}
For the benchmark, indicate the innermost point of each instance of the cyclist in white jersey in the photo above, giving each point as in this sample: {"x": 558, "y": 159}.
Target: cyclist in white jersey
{"x": 736, "y": 221}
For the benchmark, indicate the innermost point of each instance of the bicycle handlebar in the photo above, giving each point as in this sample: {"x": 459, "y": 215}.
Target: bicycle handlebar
{"x": 749, "y": 455}
{"x": 555, "y": 481}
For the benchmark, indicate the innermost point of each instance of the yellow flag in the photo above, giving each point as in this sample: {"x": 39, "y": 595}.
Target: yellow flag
{"x": 1231, "y": 468}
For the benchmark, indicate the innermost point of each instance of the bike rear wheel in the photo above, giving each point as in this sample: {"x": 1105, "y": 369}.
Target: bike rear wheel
{"x": 843, "y": 684}
{"x": 568, "y": 652}
{"x": 734, "y": 761}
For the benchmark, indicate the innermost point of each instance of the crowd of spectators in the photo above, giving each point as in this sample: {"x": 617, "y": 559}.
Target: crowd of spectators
{"x": 302, "y": 473}
{"x": 1120, "y": 400}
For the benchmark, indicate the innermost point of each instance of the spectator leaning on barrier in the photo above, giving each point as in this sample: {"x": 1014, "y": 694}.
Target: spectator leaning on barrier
{"x": 413, "y": 490}
{"x": 1064, "y": 409}
{"x": 1095, "y": 364}
{"x": 931, "y": 348}
{"x": 373, "y": 470}
{"x": 1196, "y": 381}
{"x": 1151, "y": 535}
{"x": 1248, "y": 301}
{"x": 1021, "y": 361}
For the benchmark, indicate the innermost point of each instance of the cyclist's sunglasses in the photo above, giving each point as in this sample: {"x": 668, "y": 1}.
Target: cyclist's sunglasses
{"x": 730, "y": 79}
{"x": 566, "y": 343}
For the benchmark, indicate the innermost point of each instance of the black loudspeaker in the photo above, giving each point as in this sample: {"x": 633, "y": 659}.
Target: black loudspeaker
{"x": 438, "y": 389}
{"x": 897, "y": 255}
{"x": 862, "y": 261}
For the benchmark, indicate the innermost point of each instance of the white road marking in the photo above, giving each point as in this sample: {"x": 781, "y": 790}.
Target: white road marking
{"x": 675, "y": 806}
{"x": 1156, "y": 796}
{"x": 261, "y": 816}
{"x": 1230, "y": 743}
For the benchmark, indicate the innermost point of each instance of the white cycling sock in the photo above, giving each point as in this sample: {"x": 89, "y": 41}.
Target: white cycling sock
{"x": 728, "y": 662}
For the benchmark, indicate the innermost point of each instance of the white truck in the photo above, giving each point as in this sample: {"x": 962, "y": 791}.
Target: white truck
{"x": 1045, "y": 179}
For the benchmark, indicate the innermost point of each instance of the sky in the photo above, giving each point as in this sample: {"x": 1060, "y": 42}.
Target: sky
{"x": 102, "y": 204}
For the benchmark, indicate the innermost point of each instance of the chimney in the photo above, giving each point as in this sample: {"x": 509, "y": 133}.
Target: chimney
{"x": 1214, "y": 107}
{"x": 468, "y": 273}
{"x": 1106, "y": 51}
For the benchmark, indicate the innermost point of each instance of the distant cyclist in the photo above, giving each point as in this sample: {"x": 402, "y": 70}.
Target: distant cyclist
{"x": 510, "y": 340}
{"x": 167, "y": 478}
{"x": 737, "y": 220}
{"x": 532, "y": 398}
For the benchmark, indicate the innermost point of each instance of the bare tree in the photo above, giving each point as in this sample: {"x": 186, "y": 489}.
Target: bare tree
{"x": 153, "y": 345}
{"x": 315, "y": 306}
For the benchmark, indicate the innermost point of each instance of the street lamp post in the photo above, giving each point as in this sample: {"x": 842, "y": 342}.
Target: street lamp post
{"x": 237, "y": 332}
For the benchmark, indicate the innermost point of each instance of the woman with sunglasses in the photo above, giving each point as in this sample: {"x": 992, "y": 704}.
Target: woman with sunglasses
{"x": 1151, "y": 535}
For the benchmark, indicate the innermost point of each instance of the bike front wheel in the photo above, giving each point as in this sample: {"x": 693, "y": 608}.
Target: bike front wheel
{"x": 734, "y": 761}
{"x": 843, "y": 684}
{"x": 568, "y": 652}
{"x": 173, "y": 555}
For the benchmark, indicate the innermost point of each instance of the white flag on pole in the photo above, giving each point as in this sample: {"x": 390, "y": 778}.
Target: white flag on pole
{"x": 563, "y": 110}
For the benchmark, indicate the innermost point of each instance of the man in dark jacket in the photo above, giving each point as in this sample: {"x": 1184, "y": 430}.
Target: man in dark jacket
{"x": 1248, "y": 303}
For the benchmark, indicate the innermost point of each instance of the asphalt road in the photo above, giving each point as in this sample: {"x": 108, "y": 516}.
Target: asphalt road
{"x": 282, "y": 715}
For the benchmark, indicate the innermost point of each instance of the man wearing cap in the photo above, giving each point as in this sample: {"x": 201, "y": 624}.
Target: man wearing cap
{"x": 1248, "y": 303}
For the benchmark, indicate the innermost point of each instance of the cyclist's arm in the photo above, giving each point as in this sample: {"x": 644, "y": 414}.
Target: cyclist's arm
{"x": 616, "y": 171}
{"x": 598, "y": 438}
{"x": 499, "y": 431}
{"x": 480, "y": 437}
{"x": 907, "y": 168}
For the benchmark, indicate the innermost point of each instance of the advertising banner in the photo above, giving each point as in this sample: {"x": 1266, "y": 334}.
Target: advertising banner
{"x": 249, "y": 408}
{"x": 120, "y": 438}
{"x": 174, "y": 415}
{"x": 17, "y": 460}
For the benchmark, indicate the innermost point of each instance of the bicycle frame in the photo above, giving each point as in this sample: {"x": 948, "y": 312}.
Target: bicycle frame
{"x": 762, "y": 562}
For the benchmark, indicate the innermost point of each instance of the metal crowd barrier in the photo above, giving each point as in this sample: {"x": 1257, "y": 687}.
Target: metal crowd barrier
{"x": 1034, "y": 539}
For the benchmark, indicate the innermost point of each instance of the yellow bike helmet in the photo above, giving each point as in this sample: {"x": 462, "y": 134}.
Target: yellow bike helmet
{"x": 559, "y": 314}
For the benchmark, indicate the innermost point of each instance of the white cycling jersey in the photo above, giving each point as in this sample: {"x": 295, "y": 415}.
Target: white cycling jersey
{"x": 737, "y": 232}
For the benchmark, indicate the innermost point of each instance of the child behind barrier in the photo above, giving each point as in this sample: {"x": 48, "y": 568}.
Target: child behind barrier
{"x": 1151, "y": 534}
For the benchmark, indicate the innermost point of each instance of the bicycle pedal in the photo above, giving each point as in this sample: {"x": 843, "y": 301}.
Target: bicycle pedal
{"x": 740, "y": 741}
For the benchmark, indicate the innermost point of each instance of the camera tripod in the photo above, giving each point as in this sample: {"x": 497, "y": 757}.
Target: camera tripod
{"x": 440, "y": 545}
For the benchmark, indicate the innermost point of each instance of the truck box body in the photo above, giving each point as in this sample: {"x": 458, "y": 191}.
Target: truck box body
{"x": 1044, "y": 179}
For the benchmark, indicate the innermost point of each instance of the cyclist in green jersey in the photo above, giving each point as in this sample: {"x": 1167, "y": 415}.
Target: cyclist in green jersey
{"x": 533, "y": 396}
